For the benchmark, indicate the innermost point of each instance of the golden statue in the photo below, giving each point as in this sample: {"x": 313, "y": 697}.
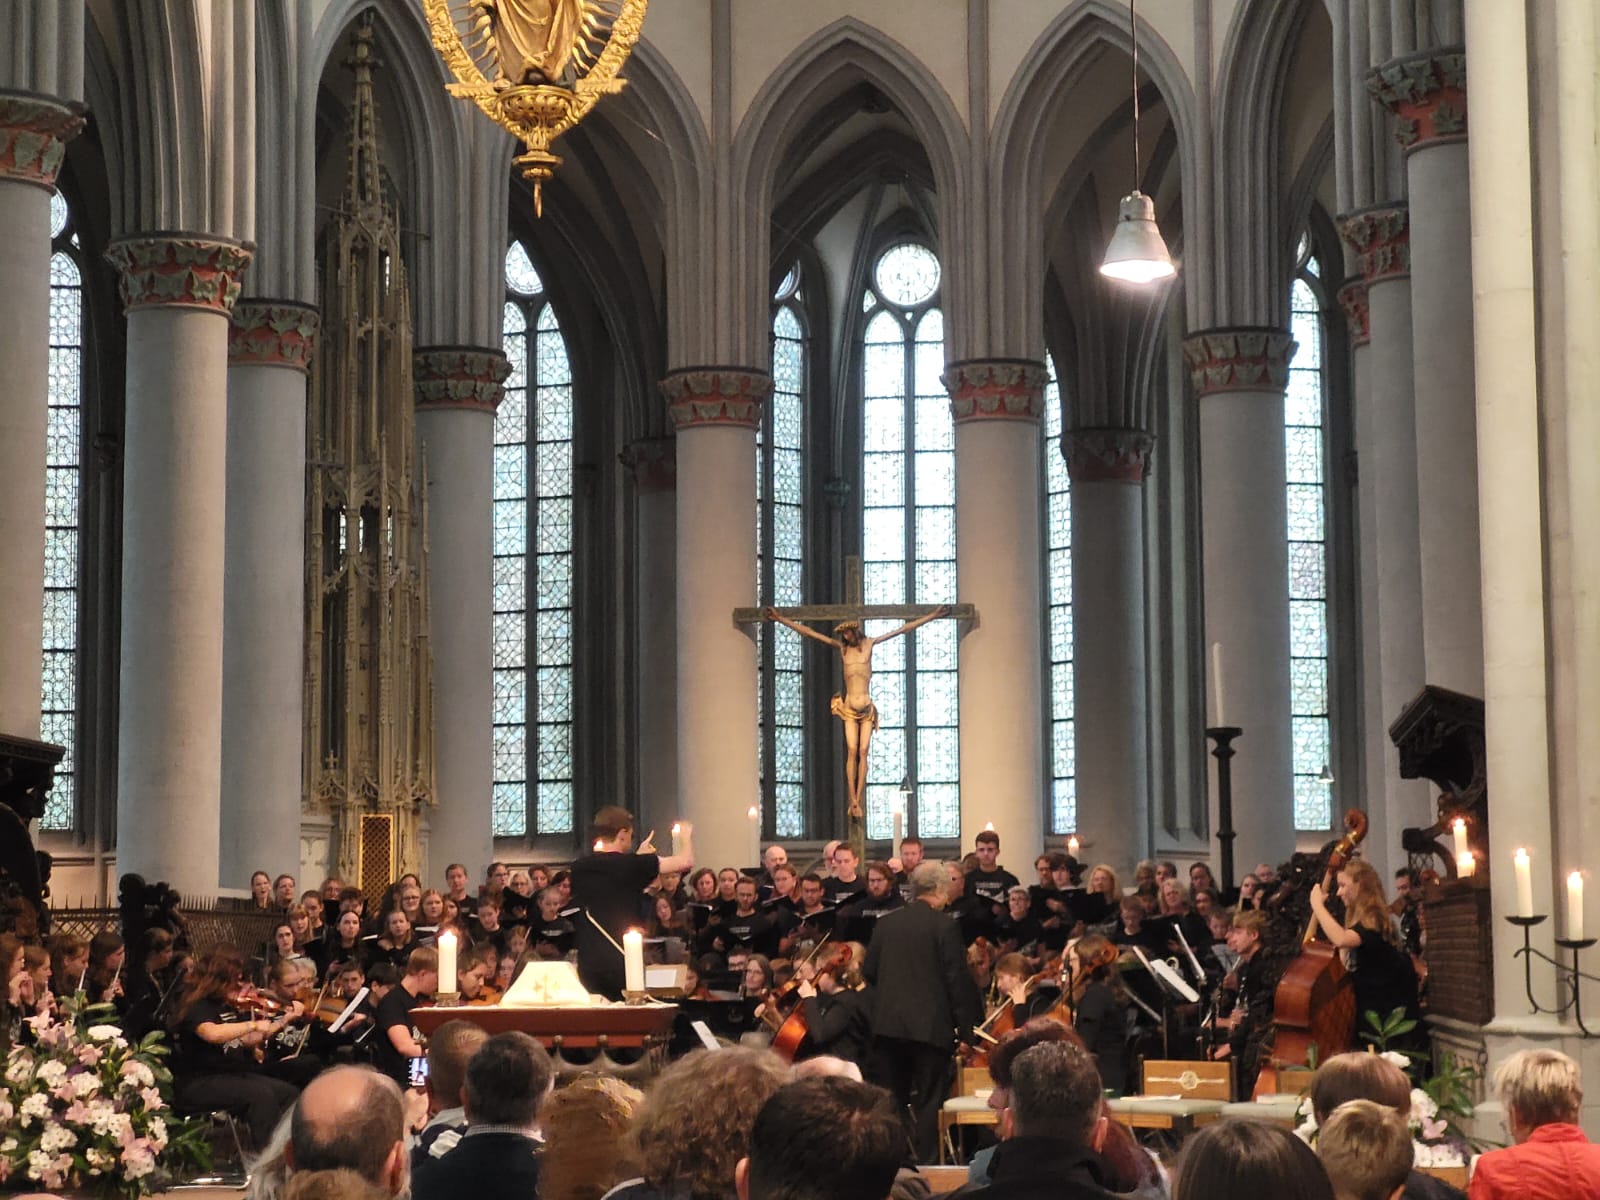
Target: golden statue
{"x": 535, "y": 67}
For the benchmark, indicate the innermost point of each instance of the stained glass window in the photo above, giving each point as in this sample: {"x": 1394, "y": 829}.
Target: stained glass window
{"x": 58, "y": 721}
{"x": 1305, "y": 452}
{"x": 1058, "y": 585}
{"x": 908, "y": 544}
{"x": 780, "y": 537}
{"x": 533, "y": 567}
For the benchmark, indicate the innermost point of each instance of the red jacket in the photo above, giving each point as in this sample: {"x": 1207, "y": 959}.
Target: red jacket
{"x": 1557, "y": 1162}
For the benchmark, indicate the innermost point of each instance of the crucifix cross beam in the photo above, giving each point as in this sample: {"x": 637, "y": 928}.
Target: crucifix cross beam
{"x": 965, "y": 615}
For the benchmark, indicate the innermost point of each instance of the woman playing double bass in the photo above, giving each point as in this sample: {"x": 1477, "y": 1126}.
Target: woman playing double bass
{"x": 1369, "y": 943}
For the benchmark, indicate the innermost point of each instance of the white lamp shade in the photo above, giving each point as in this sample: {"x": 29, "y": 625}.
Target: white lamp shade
{"x": 1137, "y": 253}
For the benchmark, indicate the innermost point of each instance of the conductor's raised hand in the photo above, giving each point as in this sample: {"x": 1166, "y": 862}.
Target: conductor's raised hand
{"x": 648, "y": 846}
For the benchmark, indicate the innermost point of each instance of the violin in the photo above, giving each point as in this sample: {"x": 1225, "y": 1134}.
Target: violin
{"x": 247, "y": 998}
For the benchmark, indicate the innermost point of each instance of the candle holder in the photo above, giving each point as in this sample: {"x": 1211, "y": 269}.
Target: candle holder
{"x": 1569, "y": 979}
{"x": 635, "y": 998}
{"x": 447, "y": 999}
{"x": 1223, "y": 752}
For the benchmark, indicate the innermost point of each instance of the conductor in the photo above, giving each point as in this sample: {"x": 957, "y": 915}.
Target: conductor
{"x": 924, "y": 1001}
{"x": 609, "y": 884}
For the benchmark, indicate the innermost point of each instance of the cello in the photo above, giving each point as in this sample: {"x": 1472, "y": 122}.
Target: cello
{"x": 1314, "y": 1007}
{"x": 786, "y": 1015}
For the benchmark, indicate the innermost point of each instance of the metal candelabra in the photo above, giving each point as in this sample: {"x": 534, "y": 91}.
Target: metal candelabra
{"x": 1566, "y": 976}
{"x": 1223, "y": 736}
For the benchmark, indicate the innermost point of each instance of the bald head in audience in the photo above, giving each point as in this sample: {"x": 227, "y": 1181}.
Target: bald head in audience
{"x": 351, "y": 1118}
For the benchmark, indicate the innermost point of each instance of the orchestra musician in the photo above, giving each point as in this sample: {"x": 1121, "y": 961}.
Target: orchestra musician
{"x": 1380, "y": 969}
{"x": 1100, "y": 1006}
{"x": 218, "y": 1030}
{"x": 1018, "y": 929}
{"x": 837, "y": 1005}
{"x": 1029, "y": 995}
{"x": 1253, "y": 984}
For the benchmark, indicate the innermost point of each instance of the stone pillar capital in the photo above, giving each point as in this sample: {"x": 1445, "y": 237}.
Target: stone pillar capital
{"x": 179, "y": 270}
{"x": 996, "y": 389}
{"x": 272, "y": 333}
{"x": 1427, "y": 93}
{"x": 34, "y": 132}
{"x": 723, "y": 397}
{"x": 653, "y": 462}
{"x": 1381, "y": 238}
{"x": 1353, "y": 299}
{"x": 464, "y": 377}
{"x": 1240, "y": 359}
{"x": 1107, "y": 455}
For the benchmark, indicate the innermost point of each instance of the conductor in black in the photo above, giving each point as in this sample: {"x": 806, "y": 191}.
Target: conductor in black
{"x": 608, "y": 884}
{"x": 924, "y": 1001}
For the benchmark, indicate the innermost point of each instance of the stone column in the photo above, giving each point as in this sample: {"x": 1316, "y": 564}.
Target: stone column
{"x": 996, "y": 405}
{"x": 653, "y": 464}
{"x": 1108, "y": 469}
{"x": 1427, "y": 94}
{"x": 1239, "y": 376}
{"x": 1386, "y": 448}
{"x": 270, "y": 345}
{"x": 716, "y": 411}
{"x": 178, "y": 290}
{"x": 34, "y": 131}
{"x": 457, "y": 390}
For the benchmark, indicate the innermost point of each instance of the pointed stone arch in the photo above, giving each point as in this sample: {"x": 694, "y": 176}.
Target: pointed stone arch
{"x": 836, "y": 57}
{"x": 1043, "y": 82}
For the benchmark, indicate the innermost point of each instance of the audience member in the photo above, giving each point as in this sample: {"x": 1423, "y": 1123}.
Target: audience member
{"x": 449, "y": 1049}
{"x": 331, "y": 1185}
{"x": 585, "y": 1125}
{"x": 498, "y": 1156}
{"x": 1366, "y": 1148}
{"x": 1240, "y": 1157}
{"x": 351, "y": 1118}
{"x": 694, "y": 1125}
{"x": 829, "y": 1138}
{"x": 1552, "y": 1158}
{"x": 1358, "y": 1076}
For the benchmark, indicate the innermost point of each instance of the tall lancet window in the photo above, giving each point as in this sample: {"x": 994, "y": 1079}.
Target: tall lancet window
{"x": 533, "y": 567}
{"x": 1058, "y": 584}
{"x": 1305, "y": 447}
{"x": 908, "y": 541}
{"x": 63, "y": 486}
{"x": 780, "y": 538}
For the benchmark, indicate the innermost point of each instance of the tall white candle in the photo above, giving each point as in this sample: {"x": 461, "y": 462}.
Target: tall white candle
{"x": 754, "y": 814}
{"x": 1216, "y": 682}
{"x": 1575, "y": 906}
{"x": 1524, "y": 868}
{"x": 447, "y": 962}
{"x": 899, "y": 830}
{"x": 1458, "y": 828}
{"x": 677, "y": 832}
{"x": 633, "y": 961}
{"x": 1073, "y": 845}
{"x": 1465, "y": 865}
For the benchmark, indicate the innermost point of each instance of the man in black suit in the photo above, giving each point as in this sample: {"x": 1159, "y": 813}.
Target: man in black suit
{"x": 924, "y": 1002}
{"x": 498, "y": 1156}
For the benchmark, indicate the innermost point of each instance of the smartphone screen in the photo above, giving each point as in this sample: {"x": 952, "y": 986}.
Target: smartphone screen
{"x": 419, "y": 1071}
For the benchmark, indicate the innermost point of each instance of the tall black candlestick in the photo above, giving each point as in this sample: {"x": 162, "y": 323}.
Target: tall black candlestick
{"x": 1223, "y": 736}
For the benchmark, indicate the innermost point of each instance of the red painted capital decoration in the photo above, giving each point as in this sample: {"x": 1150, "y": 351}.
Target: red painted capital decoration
{"x": 1238, "y": 360}
{"x": 730, "y": 397}
{"x": 1381, "y": 239}
{"x": 468, "y": 377}
{"x": 272, "y": 333}
{"x": 34, "y": 132}
{"x": 996, "y": 389}
{"x": 179, "y": 270}
{"x": 1107, "y": 455}
{"x": 1428, "y": 95}
{"x": 1353, "y": 299}
{"x": 653, "y": 462}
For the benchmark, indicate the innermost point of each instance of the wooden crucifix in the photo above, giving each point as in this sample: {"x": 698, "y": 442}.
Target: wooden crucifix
{"x": 853, "y": 705}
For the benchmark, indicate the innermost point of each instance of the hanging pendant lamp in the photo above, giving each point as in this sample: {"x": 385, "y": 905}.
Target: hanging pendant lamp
{"x": 1137, "y": 252}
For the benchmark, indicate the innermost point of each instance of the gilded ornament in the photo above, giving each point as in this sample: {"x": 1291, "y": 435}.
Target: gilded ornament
{"x": 535, "y": 67}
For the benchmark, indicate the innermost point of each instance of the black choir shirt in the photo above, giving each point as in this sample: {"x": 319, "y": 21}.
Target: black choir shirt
{"x": 559, "y": 934}
{"x": 837, "y": 892}
{"x": 394, "y": 1009}
{"x": 858, "y": 920}
{"x": 200, "y": 1057}
{"x": 991, "y": 886}
{"x": 756, "y": 933}
{"x": 608, "y": 886}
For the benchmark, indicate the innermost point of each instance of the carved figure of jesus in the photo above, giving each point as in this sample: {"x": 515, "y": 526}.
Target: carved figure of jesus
{"x": 854, "y": 705}
{"x": 534, "y": 39}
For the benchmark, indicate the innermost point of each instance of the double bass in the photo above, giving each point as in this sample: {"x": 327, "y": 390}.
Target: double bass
{"x": 1315, "y": 1004}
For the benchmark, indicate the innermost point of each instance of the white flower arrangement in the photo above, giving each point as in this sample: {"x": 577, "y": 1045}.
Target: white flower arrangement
{"x": 81, "y": 1107}
{"x": 1433, "y": 1142}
